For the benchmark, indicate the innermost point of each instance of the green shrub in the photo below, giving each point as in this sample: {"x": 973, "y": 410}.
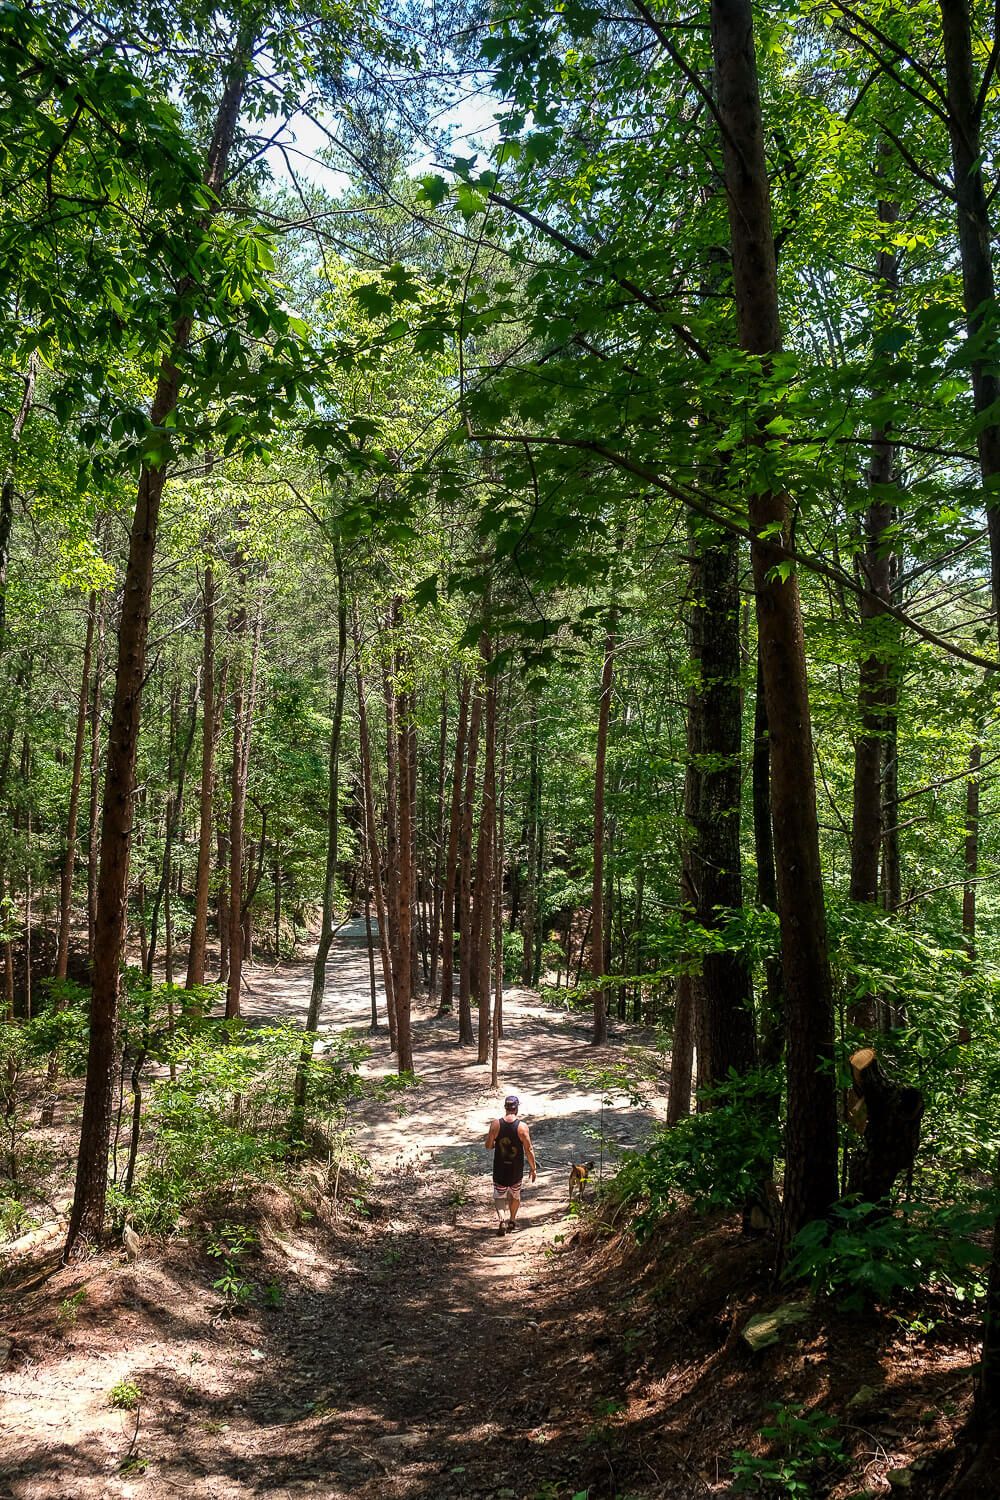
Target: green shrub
{"x": 220, "y": 1125}
{"x": 513, "y": 956}
{"x": 716, "y": 1159}
{"x": 125, "y": 1395}
{"x": 870, "y": 1253}
{"x": 802, "y": 1446}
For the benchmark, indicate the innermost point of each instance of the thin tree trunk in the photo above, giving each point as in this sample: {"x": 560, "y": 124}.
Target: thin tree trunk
{"x": 222, "y": 901}
{"x": 392, "y": 854}
{"x": 404, "y": 792}
{"x": 811, "y": 1135}
{"x": 772, "y": 1030}
{"x": 332, "y": 857}
{"x": 451, "y": 863}
{"x": 975, "y": 239}
{"x": 725, "y": 1025}
{"x": 465, "y": 946}
{"x": 599, "y": 1035}
{"x": 873, "y": 678}
{"x": 93, "y": 838}
{"x": 437, "y": 904}
{"x": 483, "y": 930}
{"x": 530, "y": 911}
{"x": 244, "y": 703}
{"x": 237, "y": 818}
{"x": 76, "y": 781}
{"x": 209, "y": 738}
{"x": 371, "y": 958}
{"x": 374, "y": 854}
{"x": 175, "y": 811}
{"x": 87, "y": 1215}
{"x": 971, "y": 851}
{"x": 892, "y": 879}
{"x": 682, "y": 1052}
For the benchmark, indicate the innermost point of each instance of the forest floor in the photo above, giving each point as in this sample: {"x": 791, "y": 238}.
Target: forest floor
{"x": 397, "y": 1349}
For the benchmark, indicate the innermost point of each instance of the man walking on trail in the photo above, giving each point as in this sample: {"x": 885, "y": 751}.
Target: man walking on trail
{"x": 510, "y": 1141}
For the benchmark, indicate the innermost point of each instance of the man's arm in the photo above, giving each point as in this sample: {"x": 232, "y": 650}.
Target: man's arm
{"x": 494, "y": 1131}
{"x": 529, "y": 1149}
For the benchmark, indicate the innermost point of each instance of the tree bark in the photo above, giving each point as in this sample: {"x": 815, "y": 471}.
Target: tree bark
{"x": 436, "y": 892}
{"x": 530, "y": 912}
{"x": 237, "y": 812}
{"x": 483, "y": 929}
{"x": 318, "y": 989}
{"x": 174, "y": 812}
{"x": 87, "y": 1215}
{"x": 93, "y": 835}
{"x": 371, "y": 833}
{"x": 466, "y": 1037}
{"x": 451, "y": 862}
{"x": 713, "y": 800}
{"x": 892, "y": 880}
{"x": 76, "y": 781}
{"x": 244, "y": 705}
{"x": 811, "y": 1133}
{"x": 404, "y": 790}
{"x": 599, "y": 1034}
{"x": 971, "y": 851}
{"x": 211, "y": 723}
{"x": 975, "y": 239}
{"x": 682, "y": 1052}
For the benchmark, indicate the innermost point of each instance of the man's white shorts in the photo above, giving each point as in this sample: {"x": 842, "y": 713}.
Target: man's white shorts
{"x": 506, "y": 1194}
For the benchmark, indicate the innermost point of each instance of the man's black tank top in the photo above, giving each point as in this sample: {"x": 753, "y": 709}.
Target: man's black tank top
{"x": 508, "y": 1155}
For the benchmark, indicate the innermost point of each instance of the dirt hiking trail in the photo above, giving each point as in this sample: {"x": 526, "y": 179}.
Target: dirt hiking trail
{"x": 414, "y": 1354}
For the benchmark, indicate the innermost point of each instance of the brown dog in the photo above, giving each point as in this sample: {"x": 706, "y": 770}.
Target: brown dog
{"x": 579, "y": 1172}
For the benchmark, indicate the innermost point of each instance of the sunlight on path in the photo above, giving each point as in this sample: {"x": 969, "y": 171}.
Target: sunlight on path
{"x": 436, "y": 1130}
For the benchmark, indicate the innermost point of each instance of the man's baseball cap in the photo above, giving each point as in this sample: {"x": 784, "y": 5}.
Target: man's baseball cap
{"x": 511, "y": 1101}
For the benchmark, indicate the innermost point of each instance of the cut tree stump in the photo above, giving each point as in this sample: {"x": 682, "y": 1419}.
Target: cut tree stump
{"x": 887, "y": 1118}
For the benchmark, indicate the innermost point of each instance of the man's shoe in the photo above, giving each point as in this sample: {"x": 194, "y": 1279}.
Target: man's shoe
{"x": 501, "y": 1230}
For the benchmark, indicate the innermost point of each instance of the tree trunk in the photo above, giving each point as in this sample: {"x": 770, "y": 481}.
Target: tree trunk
{"x": 211, "y": 724}
{"x": 714, "y": 874}
{"x": 485, "y": 875}
{"x": 965, "y": 117}
{"x": 244, "y": 703}
{"x": 866, "y": 826}
{"x": 374, "y": 854}
{"x": 404, "y": 791}
{"x": 811, "y": 1135}
{"x": 682, "y": 1052}
{"x": 371, "y": 957}
{"x": 499, "y": 858}
{"x": 450, "y": 871}
{"x": 465, "y": 1033}
{"x": 892, "y": 892}
{"x": 93, "y": 834}
{"x": 436, "y": 893}
{"x": 87, "y": 1215}
{"x": 773, "y": 1022}
{"x": 222, "y": 900}
{"x": 174, "y": 812}
{"x": 392, "y": 854}
{"x": 971, "y": 851}
{"x": 530, "y": 912}
{"x": 332, "y": 856}
{"x": 76, "y": 781}
{"x": 599, "y": 1035}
